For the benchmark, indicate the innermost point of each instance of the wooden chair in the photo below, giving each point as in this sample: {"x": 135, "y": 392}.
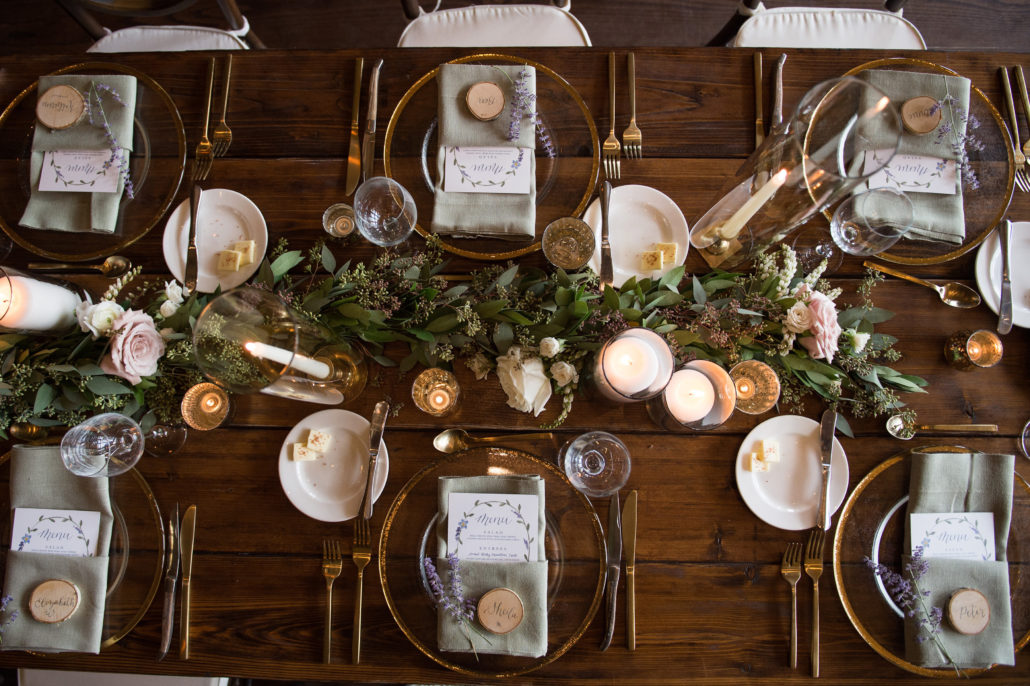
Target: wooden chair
{"x": 169, "y": 38}
{"x": 48, "y": 677}
{"x": 754, "y": 25}
{"x": 492, "y": 25}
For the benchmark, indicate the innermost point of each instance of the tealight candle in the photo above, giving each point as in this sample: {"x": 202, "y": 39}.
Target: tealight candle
{"x": 757, "y": 386}
{"x": 29, "y": 304}
{"x": 700, "y": 396}
{"x": 965, "y": 350}
{"x": 436, "y": 392}
{"x": 205, "y": 406}
{"x": 689, "y": 396}
{"x": 635, "y": 364}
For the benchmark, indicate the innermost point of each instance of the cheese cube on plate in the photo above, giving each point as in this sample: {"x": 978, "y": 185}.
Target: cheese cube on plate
{"x": 246, "y": 249}
{"x": 228, "y": 260}
{"x": 755, "y": 463}
{"x": 669, "y": 252}
{"x": 318, "y": 440}
{"x": 650, "y": 260}
{"x": 302, "y": 453}
{"x": 770, "y": 450}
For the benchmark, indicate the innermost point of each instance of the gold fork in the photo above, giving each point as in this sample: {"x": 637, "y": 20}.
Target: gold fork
{"x": 814, "y": 569}
{"x": 631, "y": 138}
{"x": 362, "y": 554}
{"x": 791, "y": 571}
{"x": 610, "y": 149}
{"x": 1022, "y": 178}
{"x": 332, "y": 565}
{"x": 223, "y": 134}
{"x": 205, "y": 155}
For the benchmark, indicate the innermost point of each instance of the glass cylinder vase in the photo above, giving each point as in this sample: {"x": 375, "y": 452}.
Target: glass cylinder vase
{"x": 700, "y": 396}
{"x": 37, "y": 304}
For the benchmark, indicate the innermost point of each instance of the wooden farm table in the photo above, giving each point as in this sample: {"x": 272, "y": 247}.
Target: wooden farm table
{"x": 711, "y": 605}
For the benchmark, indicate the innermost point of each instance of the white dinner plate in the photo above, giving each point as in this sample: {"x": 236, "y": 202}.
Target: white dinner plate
{"x": 330, "y": 488}
{"x": 787, "y": 496}
{"x": 225, "y": 217}
{"x": 988, "y": 272}
{"x": 639, "y": 217}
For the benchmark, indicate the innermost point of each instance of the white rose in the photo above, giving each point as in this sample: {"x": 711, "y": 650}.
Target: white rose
{"x": 168, "y": 308}
{"x": 175, "y": 292}
{"x": 480, "y": 365}
{"x": 564, "y": 373}
{"x": 524, "y": 381}
{"x": 798, "y": 319}
{"x": 98, "y": 319}
{"x": 858, "y": 340}
{"x": 549, "y": 347}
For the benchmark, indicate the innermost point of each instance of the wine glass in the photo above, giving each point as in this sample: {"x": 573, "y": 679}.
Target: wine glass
{"x": 104, "y": 445}
{"x": 871, "y": 222}
{"x": 163, "y": 440}
{"x": 812, "y": 247}
{"x": 384, "y": 211}
{"x": 597, "y": 463}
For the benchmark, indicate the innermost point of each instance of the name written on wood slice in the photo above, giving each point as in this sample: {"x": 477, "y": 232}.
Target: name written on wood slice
{"x": 500, "y": 610}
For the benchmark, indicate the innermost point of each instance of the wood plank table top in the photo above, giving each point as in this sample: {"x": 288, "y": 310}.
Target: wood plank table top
{"x": 711, "y": 604}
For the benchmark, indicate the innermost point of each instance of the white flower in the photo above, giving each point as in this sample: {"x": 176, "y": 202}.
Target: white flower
{"x": 480, "y": 365}
{"x": 524, "y": 381}
{"x": 175, "y": 292}
{"x": 798, "y": 319}
{"x": 168, "y": 308}
{"x": 564, "y": 373}
{"x": 858, "y": 340}
{"x": 549, "y": 347}
{"x": 98, "y": 319}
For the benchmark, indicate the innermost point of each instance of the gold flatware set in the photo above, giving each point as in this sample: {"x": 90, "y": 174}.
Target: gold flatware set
{"x": 632, "y": 139}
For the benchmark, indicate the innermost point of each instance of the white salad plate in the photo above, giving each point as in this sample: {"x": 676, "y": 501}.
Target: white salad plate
{"x": 787, "y": 496}
{"x": 639, "y": 217}
{"x": 224, "y": 217}
{"x": 330, "y": 488}
{"x": 988, "y": 272}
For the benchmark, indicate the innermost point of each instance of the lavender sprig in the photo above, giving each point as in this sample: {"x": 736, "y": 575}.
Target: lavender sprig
{"x": 961, "y": 145}
{"x": 97, "y": 117}
{"x": 4, "y": 602}
{"x": 451, "y": 597}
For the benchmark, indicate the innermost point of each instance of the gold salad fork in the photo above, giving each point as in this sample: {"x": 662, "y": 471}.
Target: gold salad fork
{"x": 814, "y": 569}
{"x": 791, "y": 571}
{"x": 222, "y": 134}
{"x": 1022, "y": 178}
{"x": 205, "y": 154}
{"x": 332, "y": 565}
{"x": 361, "y": 552}
{"x": 631, "y": 138}
{"x": 610, "y": 149}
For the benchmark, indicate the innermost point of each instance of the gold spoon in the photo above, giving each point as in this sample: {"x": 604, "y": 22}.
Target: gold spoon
{"x": 954, "y": 294}
{"x": 896, "y": 427}
{"x": 113, "y": 267}
{"x": 453, "y": 440}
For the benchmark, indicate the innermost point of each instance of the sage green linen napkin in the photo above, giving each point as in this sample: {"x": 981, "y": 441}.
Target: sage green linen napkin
{"x": 527, "y": 579}
{"x": 935, "y": 216}
{"x": 71, "y": 211}
{"x": 964, "y": 482}
{"x": 39, "y": 479}
{"x": 498, "y": 215}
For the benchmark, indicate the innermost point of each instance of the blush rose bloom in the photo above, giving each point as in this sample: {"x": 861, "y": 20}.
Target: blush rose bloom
{"x": 135, "y": 347}
{"x": 524, "y": 381}
{"x": 798, "y": 318}
{"x": 822, "y": 344}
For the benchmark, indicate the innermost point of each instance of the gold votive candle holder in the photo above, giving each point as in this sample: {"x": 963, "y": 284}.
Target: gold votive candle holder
{"x": 967, "y": 350}
{"x": 757, "y": 386}
{"x": 436, "y": 392}
{"x": 206, "y": 406}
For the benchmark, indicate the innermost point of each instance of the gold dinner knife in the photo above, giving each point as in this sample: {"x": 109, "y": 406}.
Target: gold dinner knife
{"x": 759, "y": 123}
{"x": 629, "y": 541}
{"x": 354, "y": 157}
{"x": 186, "y": 532}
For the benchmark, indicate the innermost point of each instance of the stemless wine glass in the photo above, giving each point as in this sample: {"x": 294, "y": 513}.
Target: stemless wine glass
{"x": 384, "y": 211}
{"x": 104, "y": 445}
{"x": 597, "y": 463}
{"x": 871, "y": 222}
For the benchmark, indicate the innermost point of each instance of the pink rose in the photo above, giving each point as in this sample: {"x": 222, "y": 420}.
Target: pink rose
{"x": 825, "y": 330}
{"x": 136, "y": 346}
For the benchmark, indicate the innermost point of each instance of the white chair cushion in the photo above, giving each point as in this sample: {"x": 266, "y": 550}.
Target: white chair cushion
{"x": 53, "y": 677}
{"x": 806, "y": 27}
{"x": 494, "y": 25}
{"x": 167, "y": 39}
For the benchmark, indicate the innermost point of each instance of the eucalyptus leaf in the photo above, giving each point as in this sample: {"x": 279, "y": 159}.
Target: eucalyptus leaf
{"x": 671, "y": 278}
{"x": 328, "y": 259}
{"x": 286, "y": 262}
{"x": 700, "y": 297}
{"x": 44, "y": 396}
{"x": 102, "y": 385}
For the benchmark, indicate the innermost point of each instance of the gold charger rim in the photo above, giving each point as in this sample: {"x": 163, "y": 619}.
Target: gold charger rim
{"x": 434, "y": 655}
{"x": 838, "y": 574}
{"x": 595, "y": 164}
{"x": 124, "y": 241}
{"x": 966, "y": 247}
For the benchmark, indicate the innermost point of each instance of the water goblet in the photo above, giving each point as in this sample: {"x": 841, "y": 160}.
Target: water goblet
{"x": 871, "y": 222}
{"x": 597, "y": 463}
{"x": 104, "y": 445}
{"x": 384, "y": 211}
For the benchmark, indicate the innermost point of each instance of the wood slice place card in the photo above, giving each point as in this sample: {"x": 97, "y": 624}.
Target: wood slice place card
{"x": 485, "y": 100}
{"x": 60, "y": 107}
{"x": 500, "y": 610}
{"x": 54, "y": 601}
{"x": 921, "y": 114}
{"x": 968, "y": 611}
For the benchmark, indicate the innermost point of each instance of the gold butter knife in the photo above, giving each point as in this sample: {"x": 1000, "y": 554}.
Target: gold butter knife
{"x": 354, "y": 156}
{"x": 629, "y": 541}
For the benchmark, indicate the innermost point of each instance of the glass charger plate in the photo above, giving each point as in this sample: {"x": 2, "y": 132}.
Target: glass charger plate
{"x": 410, "y": 141}
{"x": 994, "y": 166}
{"x": 137, "y": 551}
{"x": 570, "y": 515}
{"x": 156, "y": 167}
{"x": 874, "y": 513}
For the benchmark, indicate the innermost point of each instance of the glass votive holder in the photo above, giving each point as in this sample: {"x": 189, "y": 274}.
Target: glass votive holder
{"x": 436, "y": 392}
{"x": 34, "y": 303}
{"x": 756, "y": 386}
{"x": 967, "y": 350}
{"x": 700, "y": 396}
{"x": 633, "y": 365}
{"x": 206, "y": 406}
{"x": 339, "y": 221}
{"x": 568, "y": 243}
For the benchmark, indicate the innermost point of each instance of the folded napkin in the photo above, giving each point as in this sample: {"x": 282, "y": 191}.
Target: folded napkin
{"x": 935, "y": 217}
{"x": 39, "y": 479}
{"x": 527, "y": 579}
{"x": 964, "y": 482}
{"x": 499, "y": 215}
{"x": 71, "y": 211}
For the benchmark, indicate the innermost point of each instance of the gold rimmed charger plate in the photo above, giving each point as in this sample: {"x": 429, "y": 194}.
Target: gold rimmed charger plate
{"x": 994, "y": 165}
{"x": 158, "y": 161}
{"x": 567, "y": 192}
{"x": 572, "y": 607}
{"x": 875, "y": 499}
{"x": 137, "y": 551}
